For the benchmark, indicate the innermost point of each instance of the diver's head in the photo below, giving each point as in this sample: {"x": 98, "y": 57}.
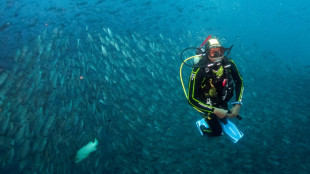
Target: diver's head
{"x": 214, "y": 50}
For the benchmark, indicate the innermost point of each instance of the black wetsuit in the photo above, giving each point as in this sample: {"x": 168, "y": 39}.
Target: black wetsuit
{"x": 209, "y": 89}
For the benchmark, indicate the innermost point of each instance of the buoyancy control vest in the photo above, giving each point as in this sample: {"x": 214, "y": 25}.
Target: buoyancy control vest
{"x": 217, "y": 84}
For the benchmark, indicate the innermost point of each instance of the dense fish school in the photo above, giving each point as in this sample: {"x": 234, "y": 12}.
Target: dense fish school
{"x": 64, "y": 92}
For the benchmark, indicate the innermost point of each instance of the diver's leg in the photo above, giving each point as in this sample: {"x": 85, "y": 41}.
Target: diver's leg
{"x": 215, "y": 128}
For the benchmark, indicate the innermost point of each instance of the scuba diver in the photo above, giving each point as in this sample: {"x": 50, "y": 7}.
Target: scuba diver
{"x": 211, "y": 87}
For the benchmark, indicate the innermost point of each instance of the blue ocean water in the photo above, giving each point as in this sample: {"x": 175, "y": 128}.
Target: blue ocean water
{"x": 74, "y": 70}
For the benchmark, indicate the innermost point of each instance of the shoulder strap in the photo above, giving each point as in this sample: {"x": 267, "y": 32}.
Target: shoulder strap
{"x": 227, "y": 66}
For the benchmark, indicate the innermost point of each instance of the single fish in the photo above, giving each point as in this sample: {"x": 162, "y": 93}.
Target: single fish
{"x": 85, "y": 151}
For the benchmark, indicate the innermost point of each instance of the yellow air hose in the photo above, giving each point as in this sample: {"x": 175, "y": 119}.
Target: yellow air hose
{"x": 182, "y": 78}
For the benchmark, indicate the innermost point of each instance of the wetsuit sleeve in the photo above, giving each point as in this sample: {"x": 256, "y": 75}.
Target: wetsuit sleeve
{"x": 195, "y": 92}
{"x": 238, "y": 81}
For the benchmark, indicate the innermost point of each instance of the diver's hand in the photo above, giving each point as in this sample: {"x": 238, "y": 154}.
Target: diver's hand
{"x": 235, "y": 110}
{"x": 221, "y": 113}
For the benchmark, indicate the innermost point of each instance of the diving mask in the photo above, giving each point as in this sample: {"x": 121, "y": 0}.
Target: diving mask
{"x": 216, "y": 52}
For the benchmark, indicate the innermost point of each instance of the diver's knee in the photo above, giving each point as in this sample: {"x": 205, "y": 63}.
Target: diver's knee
{"x": 218, "y": 133}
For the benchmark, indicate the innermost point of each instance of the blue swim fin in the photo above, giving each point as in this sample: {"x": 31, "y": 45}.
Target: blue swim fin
{"x": 231, "y": 130}
{"x": 201, "y": 124}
